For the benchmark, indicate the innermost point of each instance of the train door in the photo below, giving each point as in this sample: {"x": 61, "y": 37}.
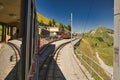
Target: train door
{"x": 8, "y": 35}
{"x": 29, "y": 37}
{"x": 0, "y": 33}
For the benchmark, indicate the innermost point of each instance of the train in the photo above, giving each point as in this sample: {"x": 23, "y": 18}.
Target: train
{"x": 65, "y": 36}
{"x": 19, "y": 25}
{"x": 18, "y": 21}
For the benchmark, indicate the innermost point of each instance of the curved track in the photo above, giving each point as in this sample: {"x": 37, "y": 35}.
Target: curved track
{"x": 51, "y": 65}
{"x": 53, "y": 72}
{"x": 45, "y": 57}
{"x": 64, "y": 65}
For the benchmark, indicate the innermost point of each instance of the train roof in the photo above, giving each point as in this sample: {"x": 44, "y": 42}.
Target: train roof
{"x": 10, "y": 11}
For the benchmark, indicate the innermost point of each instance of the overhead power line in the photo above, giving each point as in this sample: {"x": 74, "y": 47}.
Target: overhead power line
{"x": 88, "y": 15}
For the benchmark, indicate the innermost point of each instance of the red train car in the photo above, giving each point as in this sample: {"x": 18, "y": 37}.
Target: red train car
{"x": 65, "y": 35}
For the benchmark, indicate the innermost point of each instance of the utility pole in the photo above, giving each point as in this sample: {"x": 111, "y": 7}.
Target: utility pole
{"x": 116, "y": 67}
{"x": 71, "y": 25}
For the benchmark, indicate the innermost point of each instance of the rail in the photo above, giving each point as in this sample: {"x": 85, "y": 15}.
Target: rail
{"x": 46, "y": 62}
{"x": 38, "y": 64}
{"x": 55, "y": 56}
{"x": 53, "y": 63}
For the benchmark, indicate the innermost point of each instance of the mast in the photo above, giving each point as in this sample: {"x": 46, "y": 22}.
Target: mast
{"x": 116, "y": 67}
{"x": 71, "y": 25}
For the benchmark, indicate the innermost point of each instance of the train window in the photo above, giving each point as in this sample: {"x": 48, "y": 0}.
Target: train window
{"x": 14, "y": 30}
{"x": 0, "y": 33}
{"x": 10, "y": 17}
{"x": 8, "y": 30}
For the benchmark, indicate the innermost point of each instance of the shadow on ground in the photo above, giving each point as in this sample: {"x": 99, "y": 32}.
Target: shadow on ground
{"x": 50, "y": 69}
{"x": 14, "y": 73}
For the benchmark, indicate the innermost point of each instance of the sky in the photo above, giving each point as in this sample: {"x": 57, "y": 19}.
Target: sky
{"x": 87, "y": 14}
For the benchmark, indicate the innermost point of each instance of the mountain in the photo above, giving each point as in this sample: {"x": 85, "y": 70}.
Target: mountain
{"x": 103, "y": 35}
{"x": 96, "y": 49}
{"x": 102, "y": 29}
{"x": 99, "y": 40}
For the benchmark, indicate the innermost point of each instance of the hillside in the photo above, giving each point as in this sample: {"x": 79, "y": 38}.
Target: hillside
{"x": 42, "y": 18}
{"x": 46, "y": 21}
{"x": 99, "y": 40}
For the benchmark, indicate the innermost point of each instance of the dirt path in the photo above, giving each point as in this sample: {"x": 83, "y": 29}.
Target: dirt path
{"x": 108, "y": 69}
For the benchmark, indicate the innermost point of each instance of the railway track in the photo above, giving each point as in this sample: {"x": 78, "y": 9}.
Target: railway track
{"x": 45, "y": 57}
{"x": 50, "y": 70}
{"x": 76, "y": 60}
{"x": 54, "y": 72}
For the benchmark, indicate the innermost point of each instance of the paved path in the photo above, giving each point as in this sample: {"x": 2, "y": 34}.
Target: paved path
{"x": 68, "y": 64}
{"x": 5, "y": 64}
{"x": 1, "y": 45}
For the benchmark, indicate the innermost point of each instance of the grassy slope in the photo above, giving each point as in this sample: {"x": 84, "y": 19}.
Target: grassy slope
{"x": 86, "y": 49}
{"x": 46, "y": 20}
{"x": 43, "y": 18}
{"x": 102, "y": 42}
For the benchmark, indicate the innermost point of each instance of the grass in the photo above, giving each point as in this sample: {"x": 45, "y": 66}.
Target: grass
{"x": 43, "y": 18}
{"x": 98, "y": 69}
{"x": 106, "y": 54}
{"x": 100, "y": 41}
{"x": 104, "y": 48}
{"x": 86, "y": 49}
{"x": 46, "y": 20}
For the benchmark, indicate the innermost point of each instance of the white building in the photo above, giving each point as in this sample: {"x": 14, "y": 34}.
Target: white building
{"x": 53, "y": 31}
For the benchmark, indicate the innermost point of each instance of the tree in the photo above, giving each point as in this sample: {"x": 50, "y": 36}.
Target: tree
{"x": 50, "y": 23}
{"x": 61, "y": 27}
{"x": 53, "y": 22}
{"x": 42, "y": 23}
{"x": 69, "y": 27}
